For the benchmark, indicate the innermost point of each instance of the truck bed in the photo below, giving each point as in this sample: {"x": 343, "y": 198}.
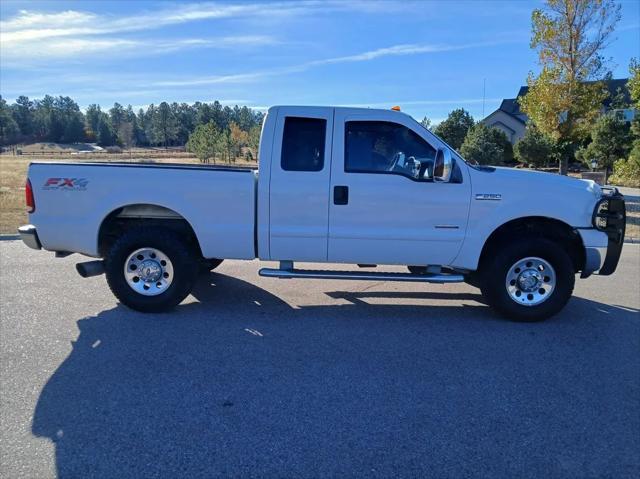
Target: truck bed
{"x": 131, "y": 164}
{"x": 73, "y": 199}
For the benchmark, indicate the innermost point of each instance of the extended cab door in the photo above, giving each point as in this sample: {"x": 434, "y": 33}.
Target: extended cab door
{"x": 385, "y": 207}
{"x": 299, "y": 184}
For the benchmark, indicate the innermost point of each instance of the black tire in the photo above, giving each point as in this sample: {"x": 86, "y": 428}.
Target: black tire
{"x": 493, "y": 275}
{"x": 472, "y": 279}
{"x": 209, "y": 264}
{"x": 417, "y": 269}
{"x": 181, "y": 254}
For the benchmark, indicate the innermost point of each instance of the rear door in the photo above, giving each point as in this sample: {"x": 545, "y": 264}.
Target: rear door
{"x": 299, "y": 184}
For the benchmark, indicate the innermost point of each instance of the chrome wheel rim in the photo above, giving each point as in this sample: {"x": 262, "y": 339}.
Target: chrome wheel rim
{"x": 148, "y": 271}
{"x": 530, "y": 281}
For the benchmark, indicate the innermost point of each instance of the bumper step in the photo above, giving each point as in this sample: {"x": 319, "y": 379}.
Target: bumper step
{"x": 29, "y": 236}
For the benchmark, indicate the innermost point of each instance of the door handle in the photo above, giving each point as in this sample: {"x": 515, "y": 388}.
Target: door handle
{"x": 340, "y": 195}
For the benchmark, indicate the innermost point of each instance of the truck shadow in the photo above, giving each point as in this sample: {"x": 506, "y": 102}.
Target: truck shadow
{"x": 242, "y": 384}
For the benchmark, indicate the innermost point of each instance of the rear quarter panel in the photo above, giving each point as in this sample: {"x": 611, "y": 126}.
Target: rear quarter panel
{"x": 219, "y": 205}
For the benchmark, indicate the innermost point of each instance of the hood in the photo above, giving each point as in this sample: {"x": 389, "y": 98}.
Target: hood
{"x": 535, "y": 193}
{"x": 536, "y": 179}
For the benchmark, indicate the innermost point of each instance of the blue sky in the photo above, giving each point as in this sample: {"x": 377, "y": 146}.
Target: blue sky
{"x": 429, "y": 57}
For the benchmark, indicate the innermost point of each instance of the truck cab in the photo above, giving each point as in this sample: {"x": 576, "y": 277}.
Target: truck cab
{"x": 358, "y": 186}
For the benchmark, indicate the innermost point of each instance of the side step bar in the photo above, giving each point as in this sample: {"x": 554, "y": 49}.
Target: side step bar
{"x": 288, "y": 273}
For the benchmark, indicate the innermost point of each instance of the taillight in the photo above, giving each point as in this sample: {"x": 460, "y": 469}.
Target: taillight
{"x": 31, "y": 203}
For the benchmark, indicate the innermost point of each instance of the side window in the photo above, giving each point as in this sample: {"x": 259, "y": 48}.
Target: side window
{"x": 303, "y": 144}
{"x": 385, "y": 147}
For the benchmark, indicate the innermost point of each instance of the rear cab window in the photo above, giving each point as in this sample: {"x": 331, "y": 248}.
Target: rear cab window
{"x": 303, "y": 144}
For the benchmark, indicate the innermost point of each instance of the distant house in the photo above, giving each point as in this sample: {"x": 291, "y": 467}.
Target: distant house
{"x": 513, "y": 122}
{"x": 509, "y": 118}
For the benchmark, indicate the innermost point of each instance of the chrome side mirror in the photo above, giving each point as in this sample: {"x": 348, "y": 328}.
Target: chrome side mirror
{"x": 443, "y": 166}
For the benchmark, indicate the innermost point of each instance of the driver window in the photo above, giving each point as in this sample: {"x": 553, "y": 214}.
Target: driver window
{"x": 385, "y": 147}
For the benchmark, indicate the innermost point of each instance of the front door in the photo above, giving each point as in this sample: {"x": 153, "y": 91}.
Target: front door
{"x": 299, "y": 184}
{"x": 385, "y": 207}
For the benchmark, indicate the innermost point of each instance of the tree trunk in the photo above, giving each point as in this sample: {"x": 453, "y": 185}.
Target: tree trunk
{"x": 564, "y": 166}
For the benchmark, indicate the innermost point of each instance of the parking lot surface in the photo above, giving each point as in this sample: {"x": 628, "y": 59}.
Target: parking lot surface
{"x": 255, "y": 377}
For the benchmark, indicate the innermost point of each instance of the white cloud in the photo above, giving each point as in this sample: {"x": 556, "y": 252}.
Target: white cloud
{"x": 26, "y": 20}
{"x": 54, "y": 48}
{"x": 217, "y": 79}
{"x": 396, "y": 50}
{"x": 77, "y": 48}
{"x": 401, "y": 50}
{"x": 30, "y": 36}
{"x": 30, "y": 25}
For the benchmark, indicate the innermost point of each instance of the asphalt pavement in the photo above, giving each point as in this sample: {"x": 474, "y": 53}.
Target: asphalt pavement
{"x": 257, "y": 377}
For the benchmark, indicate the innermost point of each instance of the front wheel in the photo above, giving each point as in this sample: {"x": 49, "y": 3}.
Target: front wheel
{"x": 209, "y": 264}
{"x": 150, "y": 269}
{"x": 528, "y": 280}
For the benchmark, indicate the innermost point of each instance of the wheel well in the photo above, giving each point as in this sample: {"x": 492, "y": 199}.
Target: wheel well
{"x": 123, "y": 218}
{"x": 541, "y": 227}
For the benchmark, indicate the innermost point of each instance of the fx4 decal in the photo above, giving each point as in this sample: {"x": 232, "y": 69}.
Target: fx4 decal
{"x": 77, "y": 184}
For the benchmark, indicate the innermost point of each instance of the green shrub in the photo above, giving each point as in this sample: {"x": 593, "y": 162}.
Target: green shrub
{"x": 610, "y": 141}
{"x": 485, "y": 145}
{"x": 206, "y": 142}
{"x": 627, "y": 172}
{"x": 455, "y": 128}
{"x": 535, "y": 148}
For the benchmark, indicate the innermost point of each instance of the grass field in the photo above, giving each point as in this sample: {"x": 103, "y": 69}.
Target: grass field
{"x": 13, "y": 172}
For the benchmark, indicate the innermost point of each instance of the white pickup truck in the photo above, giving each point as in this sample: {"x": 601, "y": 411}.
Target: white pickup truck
{"x": 336, "y": 185}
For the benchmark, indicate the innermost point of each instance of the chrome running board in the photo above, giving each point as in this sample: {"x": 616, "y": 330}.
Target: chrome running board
{"x": 288, "y": 273}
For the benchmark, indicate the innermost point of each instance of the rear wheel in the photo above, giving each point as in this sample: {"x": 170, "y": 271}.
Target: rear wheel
{"x": 528, "y": 279}
{"x": 150, "y": 269}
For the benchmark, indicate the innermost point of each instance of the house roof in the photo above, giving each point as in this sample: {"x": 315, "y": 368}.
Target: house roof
{"x": 506, "y": 127}
{"x": 511, "y": 107}
{"x": 612, "y": 86}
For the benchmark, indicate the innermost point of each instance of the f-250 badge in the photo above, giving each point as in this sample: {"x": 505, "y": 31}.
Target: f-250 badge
{"x": 76, "y": 184}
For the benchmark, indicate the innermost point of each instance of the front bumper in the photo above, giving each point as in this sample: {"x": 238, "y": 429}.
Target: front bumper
{"x": 29, "y": 236}
{"x": 610, "y": 217}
